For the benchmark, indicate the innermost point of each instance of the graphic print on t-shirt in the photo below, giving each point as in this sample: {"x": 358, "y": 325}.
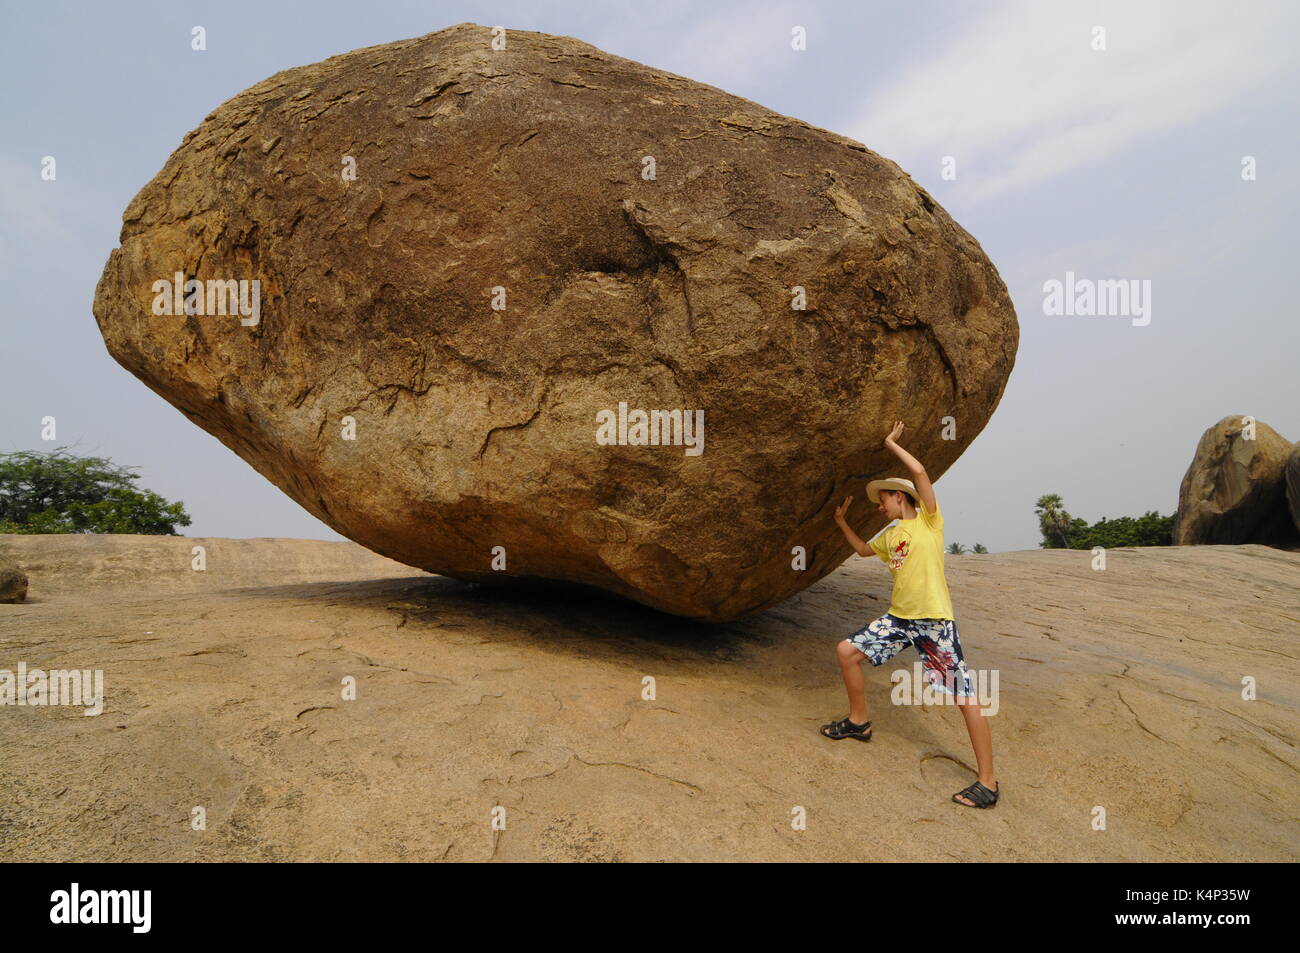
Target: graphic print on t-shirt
{"x": 899, "y": 554}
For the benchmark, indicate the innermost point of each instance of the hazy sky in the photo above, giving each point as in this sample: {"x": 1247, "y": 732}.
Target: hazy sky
{"x": 1122, "y": 163}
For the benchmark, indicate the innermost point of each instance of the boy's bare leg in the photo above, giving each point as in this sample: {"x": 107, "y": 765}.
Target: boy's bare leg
{"x": 854, "y": 683}
{"x": 981, "y": 739}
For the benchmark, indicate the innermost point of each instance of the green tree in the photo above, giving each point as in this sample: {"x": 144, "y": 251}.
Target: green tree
{"x": 1056, "y": 525}
{"x": 979, "y": 548}
{"x": 1149, "y": 529}
{"x": 59, "y": 492}
{"x": 1062, "y": 531}
{"x": 956, "y": 549}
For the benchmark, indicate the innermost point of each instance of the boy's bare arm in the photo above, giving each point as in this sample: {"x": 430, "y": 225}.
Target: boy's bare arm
{"x": 859, "y": 547}
{"x": 924, "y": 489}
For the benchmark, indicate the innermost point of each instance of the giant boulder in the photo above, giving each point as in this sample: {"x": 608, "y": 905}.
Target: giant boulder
{"x": 656, "y": 243}
{"x": 1234, "y": 491}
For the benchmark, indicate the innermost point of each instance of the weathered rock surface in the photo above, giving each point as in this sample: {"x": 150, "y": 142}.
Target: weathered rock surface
{"x": 522, "y": 169}
{"x": 13, "y": 583}
{"x": 468, "y": 699}
{"x": 1235, "y": 489}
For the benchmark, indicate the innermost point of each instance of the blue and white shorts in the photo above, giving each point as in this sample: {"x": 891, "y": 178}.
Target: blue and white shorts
{"x": 936, "y": 641}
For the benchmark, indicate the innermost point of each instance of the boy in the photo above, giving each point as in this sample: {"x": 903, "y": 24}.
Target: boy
{"x": 920, "y": 614}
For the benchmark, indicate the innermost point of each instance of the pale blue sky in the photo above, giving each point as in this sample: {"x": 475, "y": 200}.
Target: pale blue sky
{"x": 1123, "y": 163}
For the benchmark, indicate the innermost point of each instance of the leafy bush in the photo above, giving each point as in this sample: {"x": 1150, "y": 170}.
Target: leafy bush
{"x": 59, "y": 492}
{"x": 1060, "y": 530}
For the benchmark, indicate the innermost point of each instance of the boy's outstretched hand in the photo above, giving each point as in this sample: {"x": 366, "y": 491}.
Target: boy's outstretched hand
{"x": 895, "y": 433}
{"x": 842, "y": 509}
{"x": 859, "y": 547}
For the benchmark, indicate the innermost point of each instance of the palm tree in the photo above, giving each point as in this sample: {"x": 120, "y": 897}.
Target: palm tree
{"x": 979, "y": 548}
{"x": 1052, "y": 518}
{"x": 956, "y": 549}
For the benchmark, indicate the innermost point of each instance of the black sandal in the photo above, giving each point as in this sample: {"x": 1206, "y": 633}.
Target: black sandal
{"x": 839, "y": 730}
{"x": 979, "y": 794}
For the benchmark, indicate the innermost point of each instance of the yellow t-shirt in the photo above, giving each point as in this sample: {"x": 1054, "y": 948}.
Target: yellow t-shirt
{"x": 913, "y": 550}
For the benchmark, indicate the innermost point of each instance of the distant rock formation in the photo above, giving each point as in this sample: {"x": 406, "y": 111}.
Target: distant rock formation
{"x": 1293, "y": 485}
{"x": 1235, "y": 489}
{"x": 13, "y": 583}
{"x": 587, "y": 320}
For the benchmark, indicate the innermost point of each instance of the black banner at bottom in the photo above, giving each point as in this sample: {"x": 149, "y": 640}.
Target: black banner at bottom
{"x": 216, "y": 901}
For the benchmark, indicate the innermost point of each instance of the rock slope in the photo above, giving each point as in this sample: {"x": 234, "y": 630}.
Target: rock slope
{"x": 1120, "y": 689}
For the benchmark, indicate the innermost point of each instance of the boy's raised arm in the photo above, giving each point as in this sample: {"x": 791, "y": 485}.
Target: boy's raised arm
{"x": 924, "y": 489}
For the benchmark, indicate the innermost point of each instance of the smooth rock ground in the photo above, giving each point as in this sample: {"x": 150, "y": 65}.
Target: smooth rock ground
{"x": 1119, "y": 689}
{"x": 476, "y": 429}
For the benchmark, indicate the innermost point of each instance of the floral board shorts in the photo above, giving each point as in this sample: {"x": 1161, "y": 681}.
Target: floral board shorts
{"x": 936, "y": 641}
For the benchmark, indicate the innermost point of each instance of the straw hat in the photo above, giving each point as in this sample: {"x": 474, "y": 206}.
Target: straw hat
{"x": 891, "y": 483}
